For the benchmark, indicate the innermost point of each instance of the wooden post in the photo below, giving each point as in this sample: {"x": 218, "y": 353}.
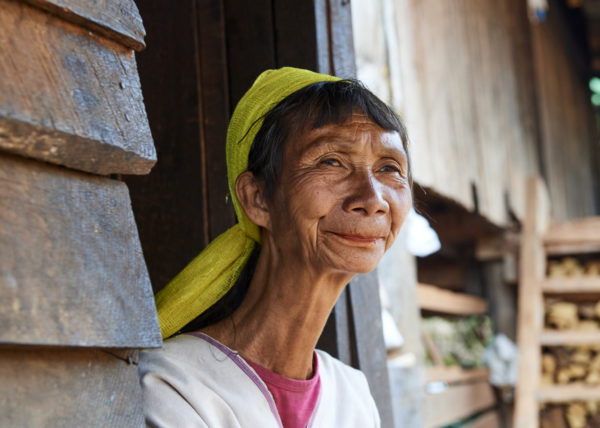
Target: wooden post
{"x": 530, "y": 312}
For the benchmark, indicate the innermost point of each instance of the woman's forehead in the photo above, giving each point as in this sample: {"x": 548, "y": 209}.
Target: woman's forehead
{"x": 352, "y": 134}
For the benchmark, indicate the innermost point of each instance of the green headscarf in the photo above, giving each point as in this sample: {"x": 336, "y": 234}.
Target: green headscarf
{"x": 216, "y": 269}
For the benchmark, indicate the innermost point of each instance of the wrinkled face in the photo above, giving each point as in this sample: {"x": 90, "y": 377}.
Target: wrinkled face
{"x": 343, "y": 195}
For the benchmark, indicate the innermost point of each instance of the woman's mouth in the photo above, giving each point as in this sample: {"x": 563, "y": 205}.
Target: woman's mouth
{"x": 359, "y": 239}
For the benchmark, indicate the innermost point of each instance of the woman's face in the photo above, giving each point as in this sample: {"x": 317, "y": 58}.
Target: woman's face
{"x": 343, "y": 195}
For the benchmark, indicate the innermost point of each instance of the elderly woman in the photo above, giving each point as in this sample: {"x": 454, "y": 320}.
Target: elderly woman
{"x": 319, "y": 176}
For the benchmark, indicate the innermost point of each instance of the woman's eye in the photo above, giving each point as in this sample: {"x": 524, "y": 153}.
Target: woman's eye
{"x": 330, "y": 162}
{"x": 389, "y": 168}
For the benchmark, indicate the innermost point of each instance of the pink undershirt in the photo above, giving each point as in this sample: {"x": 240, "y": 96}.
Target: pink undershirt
{"x": 295, "y": 399}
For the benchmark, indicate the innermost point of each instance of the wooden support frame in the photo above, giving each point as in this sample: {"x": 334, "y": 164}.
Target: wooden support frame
{"x": 457, "y": 403}
{"x": 530, "y": 307}
{"x": 437, "y": 299}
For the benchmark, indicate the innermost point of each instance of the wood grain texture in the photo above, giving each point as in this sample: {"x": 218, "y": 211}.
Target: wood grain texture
{"x": 466, "y": 97}
{"x": 45, "y": 387}
{"x": 118, "y": 20}
{"x": 72, "y": 270}
{"x": 581, "y": 231}
{"x": 456, "y": 375}
{"x": 569, "y": 337}
{"x": 437, "y": 299}
{"x": 489, "y": 419}
{"x": 569, "y": 144}
{"x": 291, "y": 19}
{"x": 341, "y": 43}
{"x": 457, "y": 403}
{"x": 568, "y": 393}
{"x": 215, "y": 111}
{"x": 250, "y": 43}
{"x": 370, "y": 348}
{"x": 532, "y": 266}
{"x": 69, "y": 97}
{"x": 170, "y": 203}
{"x": 589, "y": 284}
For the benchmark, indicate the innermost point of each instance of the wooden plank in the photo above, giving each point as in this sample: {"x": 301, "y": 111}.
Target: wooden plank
{"x": 530, "y": 308}
{"x": 457, "y": 402}
{"x": 365, "y": 310}
{"x": 292, "y": 19}
{"x": 489, "y": 419}
{"x": 118, "y": 20}
{"x": 575, "y": 248}
{"x": 575, "y": 232}
{"x": 571, "y": 285}
{"x": 338, "y": 338}
{"x": 72, "y": 270}
{"x": 250, "y": 43}
{"x": 569, "y": 337}
{"x": 341, "y": 39}
{"x": 322, "y": 32}
{"x": 45, "y": 387}
{"x": 170, "y": 203}
{"x": 568, "y": 143}
{"x": 569, "y": 392}
{"x": 214, "y": 97}
{"x": 455, "y": 374}
{"x": 69, "y": 97}
{"x": 437, "y": 299}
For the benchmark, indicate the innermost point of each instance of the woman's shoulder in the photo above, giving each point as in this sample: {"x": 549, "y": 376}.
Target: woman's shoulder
{"x": 334, "y": 367}
{"x": 344, "y": 384}
{"x": 192, "y": 378}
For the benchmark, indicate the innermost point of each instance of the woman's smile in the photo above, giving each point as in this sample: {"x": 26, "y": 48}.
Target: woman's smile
{"x": 359, "y": 239}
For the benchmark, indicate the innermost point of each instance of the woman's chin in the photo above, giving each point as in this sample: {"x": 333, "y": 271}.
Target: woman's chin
{"x": 357, "y": 263}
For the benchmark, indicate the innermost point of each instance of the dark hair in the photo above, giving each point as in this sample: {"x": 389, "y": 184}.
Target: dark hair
{"x": 311, "y": 107}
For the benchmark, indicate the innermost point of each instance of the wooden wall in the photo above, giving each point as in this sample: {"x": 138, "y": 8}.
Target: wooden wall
{"x": 478, "y": 121}
{"x": 76, "y": 301}
{"x": 570, "y": 144}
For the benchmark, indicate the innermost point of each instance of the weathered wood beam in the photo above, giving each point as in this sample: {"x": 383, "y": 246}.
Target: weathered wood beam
{"x": 72, "y": 271}
{"x": 118, "y": 20}
{"x": 70, "y": 97}
{"x": 45, "y": 387}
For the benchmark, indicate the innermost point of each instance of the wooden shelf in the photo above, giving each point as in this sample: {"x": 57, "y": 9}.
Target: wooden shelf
{"x": 454, "y": 375}
{"x": 569, "y": 337}
{"x": 457, "y": 402}
{"x": 566, "y": 393}
{"x": 436, "y": 299}
{"x": 577, "y": 236}
{"x": 590, "y": 284}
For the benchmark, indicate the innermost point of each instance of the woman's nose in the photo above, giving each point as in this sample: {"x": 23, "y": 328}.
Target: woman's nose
{"x": 366, "y": 195}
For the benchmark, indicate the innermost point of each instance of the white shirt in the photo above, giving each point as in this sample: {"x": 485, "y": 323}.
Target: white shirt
{"x": 199, "y": 382}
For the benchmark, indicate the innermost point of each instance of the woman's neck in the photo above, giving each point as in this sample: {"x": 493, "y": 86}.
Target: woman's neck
{"x": 281, "y": 318}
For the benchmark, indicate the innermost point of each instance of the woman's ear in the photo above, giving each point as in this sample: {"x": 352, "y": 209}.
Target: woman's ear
{"x": 250, "y": 193}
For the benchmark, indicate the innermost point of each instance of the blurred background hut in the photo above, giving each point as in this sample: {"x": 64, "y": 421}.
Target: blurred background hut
{"x": 493, "y": 92}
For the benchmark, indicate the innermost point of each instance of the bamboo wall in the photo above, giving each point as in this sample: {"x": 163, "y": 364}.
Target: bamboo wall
{"x": 462, "y": 75}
